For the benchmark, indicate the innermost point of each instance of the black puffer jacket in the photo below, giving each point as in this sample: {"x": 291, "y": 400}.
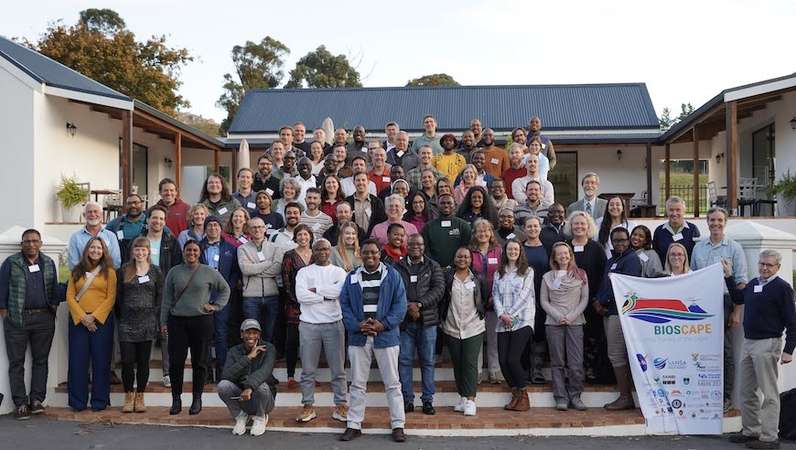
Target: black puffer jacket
{"x": 446, "y": 299}
{"x": 428, "y": 291}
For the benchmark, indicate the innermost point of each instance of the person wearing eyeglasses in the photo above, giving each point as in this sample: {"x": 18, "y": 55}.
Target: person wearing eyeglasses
{"x": 129, "y": 225}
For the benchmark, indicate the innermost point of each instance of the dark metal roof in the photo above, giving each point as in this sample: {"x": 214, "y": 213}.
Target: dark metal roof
{"x": 51, "y": 72}
{"x": 562, "y": 107}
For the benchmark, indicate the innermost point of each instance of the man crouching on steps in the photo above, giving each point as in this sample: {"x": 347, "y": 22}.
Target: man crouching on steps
{"x": 247, "y": 384}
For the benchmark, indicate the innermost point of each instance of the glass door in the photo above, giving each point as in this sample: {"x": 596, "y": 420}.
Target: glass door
{"x": 139, "y": 185}
{"x": 763, "y": 157}
{"x": 565, "y": 177}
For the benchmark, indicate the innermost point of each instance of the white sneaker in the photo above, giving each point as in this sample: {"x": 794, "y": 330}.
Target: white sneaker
{"x": 258, "y": 426}
{"x": 240, "y": 424}
{"x": 469, "y": 408}
{"x": 460, "y": 406}
{"x": 166, "y": 381}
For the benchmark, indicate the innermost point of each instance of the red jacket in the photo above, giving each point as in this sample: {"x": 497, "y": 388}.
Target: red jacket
{"x": 177, "y": 217}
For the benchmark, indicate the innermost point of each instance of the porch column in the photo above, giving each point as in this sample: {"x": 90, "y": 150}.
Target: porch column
{"x": 178, "y": 160}
{"x": 215, "y": 160}
{"x": 731, "y": 153}
{"x": 233, "y": 175}
{"x": 649, "y": 174}
{"x": 695, "y": 135}
{"x": 126, "y": 152}
{"x": 668, "y": 172}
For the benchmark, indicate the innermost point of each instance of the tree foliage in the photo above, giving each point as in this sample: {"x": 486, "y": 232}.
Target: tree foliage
{"x": 322, "y": 69}
{"x": 101, "y": 47}
{"x": 199, "y": 122}
{"x": 666, "y": 121}
{"x": 436, "y": 79}
{"x": 258, "y": 66}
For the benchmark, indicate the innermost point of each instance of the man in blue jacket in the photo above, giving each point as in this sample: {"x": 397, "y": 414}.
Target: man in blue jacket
{"x": 222, "y": 256}
{"x": 373, "y": 302}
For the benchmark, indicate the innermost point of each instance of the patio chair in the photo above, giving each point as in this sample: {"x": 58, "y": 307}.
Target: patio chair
{"x": 747, "y": 194}
{"x": 112, "y": 205}
{"x": 714, "y": 198}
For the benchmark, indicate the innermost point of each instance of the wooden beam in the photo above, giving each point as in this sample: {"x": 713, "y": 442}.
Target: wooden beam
{"x": 161, "y": 123}
{"x": 178, "y": 160}
{"x": 215, "y": 160}
{"x": 649, "y": 174}
{"x": 731, "y": 155}
{"x": 126, "y": 152}
{"x": 695, "y": 134}
{"x": 668, "y": 172}
{"x": 233, "y": 173}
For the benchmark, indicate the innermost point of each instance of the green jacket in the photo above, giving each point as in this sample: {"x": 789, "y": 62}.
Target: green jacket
{"x": 443, "y": 241}
{"x": 247, "y": 373}
{"x": 15, "y": 298}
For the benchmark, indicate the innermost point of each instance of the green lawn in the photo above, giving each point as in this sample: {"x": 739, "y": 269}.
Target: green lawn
{"x": 682, "y": 183}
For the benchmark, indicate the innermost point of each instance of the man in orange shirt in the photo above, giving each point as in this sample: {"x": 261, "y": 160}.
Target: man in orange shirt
{"x": 497, "y": 160}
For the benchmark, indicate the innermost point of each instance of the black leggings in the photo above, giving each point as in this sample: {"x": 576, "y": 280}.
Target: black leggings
{"x": 194, "y": 333}
{"x": 291, "y": 349}
{"x": 511, "y": 345}
{"x": 135, "y": 364}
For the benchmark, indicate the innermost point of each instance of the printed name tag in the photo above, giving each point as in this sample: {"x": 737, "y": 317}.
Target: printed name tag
{"x": 363, "y": 149}
{"x": 33, "y": 268}
{"x": 413, "y": 278}
{"x": 216, "y": 257}
{"x": 385, "y": 179}
{"x": 120, "y": 234}
{"x": 469, "y": 285}
{"x": 445, "y": 223}
{"x": 613, "y": 266}
{"x": 260, "y": 256}
{"x": 494, "y": 161}
{"x": 578, "y": 249}
{"x": 511, "y": 236}
{"x": 758, "y": 289}
{"x": 370, "y": 308}
{"x": 643, "y": 257}
{"x": 222, "y": 211}
{"x": 491, "y": 261}
{"x": 251, "y": 205}
{"x": 144, "y": 279}
{"x": 269, "y": 191}
{"x": 556, "y": 284}
{"x": 354, "y": 280}
{"x": 243, "y": 239}
{"x": 401, "y": 153}
{"x": 677, "y": 237}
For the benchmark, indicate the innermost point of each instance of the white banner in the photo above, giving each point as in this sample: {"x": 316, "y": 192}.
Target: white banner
{"x": 674, "y": 331}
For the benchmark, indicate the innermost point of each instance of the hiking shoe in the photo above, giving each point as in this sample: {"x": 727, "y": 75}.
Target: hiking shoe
{"x": 36, "y": 407}
{"x": 22, "y": 412}
{"x": 577, "y": 403}
{"x": 350, "y": 434}
{"x": 428, "y": 409}
{"x": 307, "y": 414}
{"x": 740, "y": 438}
{"x": 340, "y": 412}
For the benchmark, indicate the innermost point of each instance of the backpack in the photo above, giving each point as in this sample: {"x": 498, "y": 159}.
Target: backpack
{"x": 787, "y": 415}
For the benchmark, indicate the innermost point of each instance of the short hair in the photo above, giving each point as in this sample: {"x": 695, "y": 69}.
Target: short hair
{"x": 477, "y": 152}
{"x": 591, "y": 229}
{"x": 514, "y": 131}
{"x": 718, "y": 209}
{"x": 191, "y": 242}
{"x": 31, "y": 230}
{"x": 262, "y": 157}
{"x": 517, "y": 145}
{"x": 299, "y": 123}
{"x": 769, "y": 253}
{"x": 429, "y": 115}
{"x": 296, "y": 205}
{"x": 133, "y": 194}
{"x": 393, "y": 226}
{"x": 356, "y": 157}
{"x": 344, "y": 204}
{"x": 255, "y": 219}
{"x": 428, "y": 146}
{"x": 391, "y": 123}
{"x": 371, "y": 241}
{"x": 194, "y": 208}
{"x": 673, "y": 200}
{"x": 160, "y": 208}
{"x": 312, "y": 190}
{"x": 165, "y": 181}
{"x": 285, "y": 127}
{"x": 506, "y": 210}
{"x": 530, "y": 182}
{"x": 403, "y": 133}
{"x": 360, "y": 173}
{"x": 320, "y": 241}
{"x": 619, "y": 230}
{"x": 244, "y": 169}
{"x": 91, "y": 203}
{"x": 394, "y": 198}
{"x": 589, "y": 175}
{"x": 292, "y": 182}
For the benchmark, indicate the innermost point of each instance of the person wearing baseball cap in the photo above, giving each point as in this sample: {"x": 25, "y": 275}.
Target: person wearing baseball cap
{"x": 247, "y": 385}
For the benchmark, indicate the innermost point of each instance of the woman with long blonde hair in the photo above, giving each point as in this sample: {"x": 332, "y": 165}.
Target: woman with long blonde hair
{"x": 346, "y": 253}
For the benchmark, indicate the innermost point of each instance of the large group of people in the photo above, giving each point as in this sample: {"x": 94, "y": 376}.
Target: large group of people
{"x": 375, "y": 249}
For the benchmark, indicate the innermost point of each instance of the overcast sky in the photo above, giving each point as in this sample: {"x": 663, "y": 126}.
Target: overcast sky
{"x": 685, "y": 51}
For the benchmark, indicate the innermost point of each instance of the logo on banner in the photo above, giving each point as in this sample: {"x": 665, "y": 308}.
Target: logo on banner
{"x": 659, "y": 363}
{"x": 642, "y": 362}
{"x": 659, "y": 311}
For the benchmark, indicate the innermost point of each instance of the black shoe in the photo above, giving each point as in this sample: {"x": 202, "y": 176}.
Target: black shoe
{"x": 409, "y": 407}
{"x": 398, "y": 435}
{"x": 428, "y": 409}
{"x": 22, "y": 412}
{"x": 36, "y": 407}
{"x": 176, "y": 407}
{"x": 196, "y": 406}
{"x": 349, "y": 434}
{"x": 740, "y": 438}
{"x": 758, "y": 444}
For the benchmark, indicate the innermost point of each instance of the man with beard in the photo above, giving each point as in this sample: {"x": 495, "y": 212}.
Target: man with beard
{"x": 305, "y": 178}
{"x": 128, "y": 226}
{"x": 553, "y": 228}
{"x": 286, "y": 137}
{"x": 468, "y": 145}
{"x": 277, "y": 153}
{"x": 380, "y": 173}
{"x": 499, "y": 195}
{"x": 449, "y": 163}
{"x": 519, "y": 136}
{"x": 535, "y": 128}
{"x": 518, "y": 186}
{"x": 429, "y": 136}
{"x": 497, "y": 160}
{"x": 400, "y": 155}
{"x": 507, "y": 228}
{"x": 445, "y": 234}
{"x": 425, "y": 158}
{"x": 247, "y": 385}
{"x": 368, "y": 209}
{"x": 534, "y": 203}
{"x": 77, "y": 241}
{"x": 264, "y": 179}
{"x": 284, "y": 237}
{"x": 476, "y": 128}
{"x": 358, "y": 147}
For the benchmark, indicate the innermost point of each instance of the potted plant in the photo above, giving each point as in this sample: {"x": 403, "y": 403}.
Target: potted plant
{"x": 785, "y": 189}
{"x": 71, "y": 194}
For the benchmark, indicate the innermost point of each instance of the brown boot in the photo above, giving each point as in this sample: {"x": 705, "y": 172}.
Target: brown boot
{"x": 139, "y": 405}
{"x": 514, "y": 398}
{"x": 523, "y": 402}
{"x": 129, "y": 398}
{"x": 624, "y": 385}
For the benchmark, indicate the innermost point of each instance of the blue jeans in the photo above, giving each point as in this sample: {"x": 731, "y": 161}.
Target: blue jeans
{"x": 265, "y": 310}
{"x": 416, "y": 336}
{"x": 220, "y": 323}
{"x": 94, "y": 348}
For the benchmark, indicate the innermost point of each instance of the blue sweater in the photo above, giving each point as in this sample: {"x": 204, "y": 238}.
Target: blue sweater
{"x": 627, "y": 264}
{"x": 662, "y": 239}
{"x": 227, "y": 262}
{"x": 767, "y": 313}
{"x": 390, "y": 311}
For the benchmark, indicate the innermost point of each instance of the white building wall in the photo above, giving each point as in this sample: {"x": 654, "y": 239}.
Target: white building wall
{"x": 16, "y": 150}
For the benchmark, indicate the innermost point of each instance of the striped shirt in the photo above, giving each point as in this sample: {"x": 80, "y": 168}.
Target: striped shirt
{"x": 371, "y": 284}
{"x": 318, "y": 223}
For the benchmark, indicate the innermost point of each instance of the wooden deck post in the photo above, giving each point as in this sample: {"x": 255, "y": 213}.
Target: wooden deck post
{"x": 233, "y": 175}
{"x": 126, "y": 151}
{"x": 695, "y": 135}
{"x": 178, "y": 160}
{"x": 649, "y": 174}
{"x": 215, "y": 160}
{"x": 731, "y": 153}
{"x": 668, "y": 172}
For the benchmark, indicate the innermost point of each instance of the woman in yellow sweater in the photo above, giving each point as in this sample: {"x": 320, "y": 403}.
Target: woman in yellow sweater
{"x": 90, "y": 295}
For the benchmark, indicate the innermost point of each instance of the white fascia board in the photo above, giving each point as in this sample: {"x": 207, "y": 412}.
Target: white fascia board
{"x": 760, "y": 89}
{"x": 21, "y": 75}
{"x": 126, "y": 105}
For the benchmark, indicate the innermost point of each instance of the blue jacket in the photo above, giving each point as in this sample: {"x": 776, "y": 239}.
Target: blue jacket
{"x": 627, "y": 264}
{"x": 227, "y": 261}
{"x": 390, "y": 311}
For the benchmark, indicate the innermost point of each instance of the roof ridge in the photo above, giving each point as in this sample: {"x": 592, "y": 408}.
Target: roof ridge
{"x": 479, "y": 86}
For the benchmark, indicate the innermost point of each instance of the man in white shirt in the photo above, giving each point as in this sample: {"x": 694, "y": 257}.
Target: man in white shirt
{"x": 305, "y": 178}
{"x": 358, "y": 164}
{"x": 589, "y": 203}
{"x": 318, "y": 291}
{"x": 518, "y": 185}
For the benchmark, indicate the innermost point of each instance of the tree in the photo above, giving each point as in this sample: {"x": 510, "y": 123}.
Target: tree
{"x": 437, "y": 79}
{"x": 199, "y": 122}
{"x": 258, "y": 66}
{"x": 666, "y": 120}
{"x": 101, "y": 48}
{"x": 321, "y": 69}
